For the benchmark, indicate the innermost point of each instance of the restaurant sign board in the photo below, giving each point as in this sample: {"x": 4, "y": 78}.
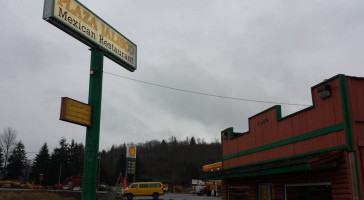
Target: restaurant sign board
{"x": 78, "y": 21}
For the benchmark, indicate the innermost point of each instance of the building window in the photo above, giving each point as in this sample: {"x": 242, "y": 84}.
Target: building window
{"x": 313, "y": 191}
{"x": 264, "y": 192}
{"x": 238, "y": 193}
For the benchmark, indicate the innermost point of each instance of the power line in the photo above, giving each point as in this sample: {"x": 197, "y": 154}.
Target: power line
{"x": 205, "y": 94}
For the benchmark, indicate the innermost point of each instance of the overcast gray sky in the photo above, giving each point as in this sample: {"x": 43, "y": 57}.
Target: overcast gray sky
{"x": 260, "y": 50}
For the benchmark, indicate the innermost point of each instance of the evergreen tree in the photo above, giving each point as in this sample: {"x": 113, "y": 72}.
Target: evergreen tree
{"x": 59, "y": 163}
{"x": 112, "y": 163}
{"x": 17, "y": 162}
{"x": 41, "y": 165}
{"x": 193, "y": 141}
{"x": 54, "y": 168}
{"x": 72, "y": 150}
{"x": 76, "y": 155}
{"x": 1, "y": 158}
{"x": 1, "y": 162}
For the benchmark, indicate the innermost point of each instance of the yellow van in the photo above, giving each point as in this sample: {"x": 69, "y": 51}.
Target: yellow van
{"x": 154, "y": 189}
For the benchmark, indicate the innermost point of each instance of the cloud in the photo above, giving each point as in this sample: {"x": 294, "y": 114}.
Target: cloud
{"x": 259, "y": 50}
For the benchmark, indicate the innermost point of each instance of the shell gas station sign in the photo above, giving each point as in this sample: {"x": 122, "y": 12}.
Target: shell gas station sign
{"x": 131, "y": 151}
{"x": 130, "y": 162}
{"x": 78, "y": 21}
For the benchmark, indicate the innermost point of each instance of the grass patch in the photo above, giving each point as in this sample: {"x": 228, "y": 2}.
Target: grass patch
{"x": 32, "y": 196}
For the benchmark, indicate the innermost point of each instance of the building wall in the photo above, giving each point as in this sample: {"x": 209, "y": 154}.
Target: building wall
{"x": 268, "y": 129}
{"x": 338, "y": 176}
{"x": 333, "y": 123}
{"x": 355, "y": 93}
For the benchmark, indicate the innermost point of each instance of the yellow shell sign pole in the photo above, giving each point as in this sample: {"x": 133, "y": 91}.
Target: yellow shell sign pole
{"x": 130, "y": 163}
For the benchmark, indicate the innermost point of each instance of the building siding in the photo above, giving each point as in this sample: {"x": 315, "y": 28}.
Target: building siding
{"x": 338, "y": 177}
{"x": 333, "y": 123}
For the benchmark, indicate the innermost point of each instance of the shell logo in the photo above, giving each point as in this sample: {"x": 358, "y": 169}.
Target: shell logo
{"x": 132, "y": 151}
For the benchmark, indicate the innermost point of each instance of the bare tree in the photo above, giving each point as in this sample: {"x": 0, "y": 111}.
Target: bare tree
{"x": 7, "y": 143}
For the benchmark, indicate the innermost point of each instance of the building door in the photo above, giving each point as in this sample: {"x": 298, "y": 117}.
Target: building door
{"x": 265, "y": 192}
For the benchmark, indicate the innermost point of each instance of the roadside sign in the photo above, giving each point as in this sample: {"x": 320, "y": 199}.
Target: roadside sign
{"x": 130, "y": 162}
{"x": 81, "y": 23}
{"x": 75, "y": 112}
{"x": 131, "y": 151}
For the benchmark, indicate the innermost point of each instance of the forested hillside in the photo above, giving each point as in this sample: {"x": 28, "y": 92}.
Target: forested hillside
{"x": 172, "y": 161}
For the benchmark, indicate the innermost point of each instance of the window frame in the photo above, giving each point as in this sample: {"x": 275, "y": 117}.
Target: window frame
{"x": 233, "y": 187}
{"x": 305, "y": 184}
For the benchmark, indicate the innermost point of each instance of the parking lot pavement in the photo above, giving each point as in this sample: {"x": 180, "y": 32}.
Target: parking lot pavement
{"x": 174, "y": 196}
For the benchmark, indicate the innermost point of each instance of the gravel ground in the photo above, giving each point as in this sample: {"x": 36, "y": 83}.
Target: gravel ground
{"x": 112, "y": 195}
{"x": 170, "y": 196}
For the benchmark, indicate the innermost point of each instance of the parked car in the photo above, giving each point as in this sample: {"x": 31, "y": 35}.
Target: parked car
{"x": 77, "y": 188}
{"x": 66, "y": 187}
{"x": 154, "y": 189}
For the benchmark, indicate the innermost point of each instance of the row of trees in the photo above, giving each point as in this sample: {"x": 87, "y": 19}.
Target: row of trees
{"x": 173, "y": 161}
{"x": 65, "y": 160}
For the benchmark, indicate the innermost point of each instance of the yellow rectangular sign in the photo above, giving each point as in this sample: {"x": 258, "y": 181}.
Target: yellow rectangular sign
{"x": 75, "y": 112}
{"x": 78, "y": 21}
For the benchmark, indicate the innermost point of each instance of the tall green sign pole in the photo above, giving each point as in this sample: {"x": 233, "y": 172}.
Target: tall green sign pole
{"x": 81, "y": 23}
{"x": 93, "y": 132}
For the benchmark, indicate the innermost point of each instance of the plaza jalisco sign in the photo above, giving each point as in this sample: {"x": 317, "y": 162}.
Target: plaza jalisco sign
{"x": 78, "y": 21}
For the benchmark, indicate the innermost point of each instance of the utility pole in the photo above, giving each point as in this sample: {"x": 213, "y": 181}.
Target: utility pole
{"x": 59, "y": 176}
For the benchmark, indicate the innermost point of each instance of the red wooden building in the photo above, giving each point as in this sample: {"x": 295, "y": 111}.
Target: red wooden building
{"x": 314, "y": 154}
